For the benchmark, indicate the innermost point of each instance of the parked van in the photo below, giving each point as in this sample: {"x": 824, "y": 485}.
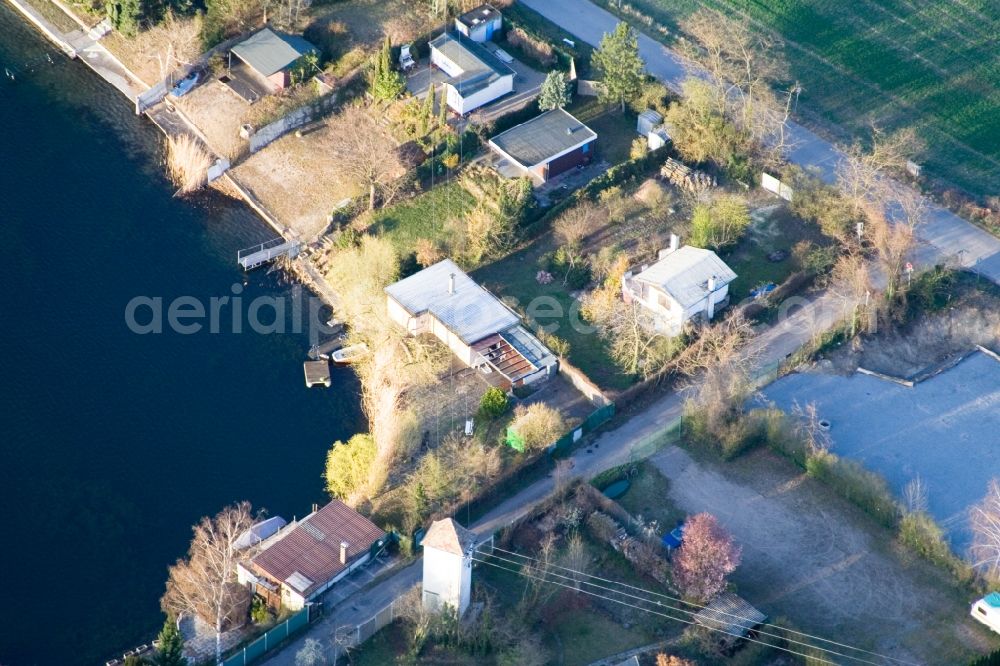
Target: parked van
{"x": 987, "y": 611}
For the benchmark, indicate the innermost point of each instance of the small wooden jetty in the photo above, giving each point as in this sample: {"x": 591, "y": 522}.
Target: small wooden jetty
{"x": 258, "y": 255}
{"x": 324, "y": 349}
{"x": 317, "y": 373}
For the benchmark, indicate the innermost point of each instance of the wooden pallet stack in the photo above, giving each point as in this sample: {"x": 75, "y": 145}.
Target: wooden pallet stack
{"x": 686, "y": 178}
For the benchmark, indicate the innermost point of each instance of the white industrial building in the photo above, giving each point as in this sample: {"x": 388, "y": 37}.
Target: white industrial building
{"x": 448, "y": 549}
{"x": 684, "y": 284}
{"x": 475, "y": 76}
{"x": 479, "y": 329}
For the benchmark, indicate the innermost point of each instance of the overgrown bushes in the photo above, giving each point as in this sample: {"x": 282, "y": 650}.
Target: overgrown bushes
{"x": 864, "y": 488}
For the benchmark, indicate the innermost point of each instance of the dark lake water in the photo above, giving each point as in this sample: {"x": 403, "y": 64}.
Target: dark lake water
{"x": 113, "y": 444}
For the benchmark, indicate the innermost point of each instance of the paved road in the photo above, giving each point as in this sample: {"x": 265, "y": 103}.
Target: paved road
{"x": 945, "y": 236}
{"x": 635, "y": 438}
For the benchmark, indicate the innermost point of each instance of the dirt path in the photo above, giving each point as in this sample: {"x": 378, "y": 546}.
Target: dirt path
{"x": 813, "y": 559}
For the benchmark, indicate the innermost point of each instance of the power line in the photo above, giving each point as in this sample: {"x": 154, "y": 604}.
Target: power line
{"x": 700, "y": 606}
{"x": 692, "y": 614}
{"x": 649, "y": 610}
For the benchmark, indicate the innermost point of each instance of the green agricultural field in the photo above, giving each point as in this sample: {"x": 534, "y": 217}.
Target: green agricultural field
{"x": 932, "y": 64}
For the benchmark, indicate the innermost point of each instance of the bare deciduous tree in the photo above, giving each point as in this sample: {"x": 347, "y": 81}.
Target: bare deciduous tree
{"x": 572, "y": 229}
{"x": 365, "y": 154}
{"x": 742, "y": 63}
{"x": 204, "y": 583}
{"x": 851, "y": 280}
{"x": 172, "y": 42}
{"x": 576, "y": 559}
{"x": 915, "y": 495}
{"x": 984, "y": 520}
{"x": 862, "y": 172}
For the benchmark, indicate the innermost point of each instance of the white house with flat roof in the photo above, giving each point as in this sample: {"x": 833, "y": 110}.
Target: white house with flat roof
{"x": 545, "y": 146}
{"x": 475, "y": 76}
{"x": 478, "y": 328}
{"x": 684, "y": 284}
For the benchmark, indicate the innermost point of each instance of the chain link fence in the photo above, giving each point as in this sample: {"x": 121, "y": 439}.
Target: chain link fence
{"x": 270, "y": 640}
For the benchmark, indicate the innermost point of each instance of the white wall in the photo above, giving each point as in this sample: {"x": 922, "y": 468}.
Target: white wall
{"x": 462, "y": 105}
{"x": 447, "y": 580}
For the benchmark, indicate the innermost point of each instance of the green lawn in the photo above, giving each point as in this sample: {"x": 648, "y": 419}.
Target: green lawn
{"x": 780, "y": 231}
{"x": 647, "y": 496}
{"x": 583, "y": 635}
{"x": 382, "y": 648}
{"x": 429, "y": 215}
{"x": 926, "y": 63}
{"x": 615, "y": 130}
{"x": 552, "y": 306}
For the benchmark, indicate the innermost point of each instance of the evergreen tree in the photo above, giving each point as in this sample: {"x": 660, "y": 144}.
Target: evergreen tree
{"x": 620, "y": 66}
{"x": 387, "y": 83}
{"x": 555, "y": 92}
{"x": 170, "y": 651}
{"x": 126, "y": 16}
{"x": 427, "y": 113}
{"x": 443, "y": 109}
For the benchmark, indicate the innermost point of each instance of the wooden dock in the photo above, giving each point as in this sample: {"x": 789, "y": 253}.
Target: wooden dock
{"x": 317, "y": 373}
{"x": 258, "y": 255}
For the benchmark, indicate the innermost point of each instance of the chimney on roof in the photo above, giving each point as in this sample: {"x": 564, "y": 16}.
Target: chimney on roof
{"x": 451, "y": 283}
{"x": 569, "y": 131}
{"x": 343, "y": 552}
{"x": 675, "y": 242}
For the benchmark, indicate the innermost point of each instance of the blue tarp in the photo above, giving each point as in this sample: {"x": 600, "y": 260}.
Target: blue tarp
{"x": 674, "y": 538}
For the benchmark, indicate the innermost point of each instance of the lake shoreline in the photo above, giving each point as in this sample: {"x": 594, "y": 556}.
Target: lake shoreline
{"x": 74, "y": 45}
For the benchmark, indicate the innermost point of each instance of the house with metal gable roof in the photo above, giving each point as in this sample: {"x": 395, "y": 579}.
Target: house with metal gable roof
{"x": 475, "y": 76}
{"x": 545, "y": 146}
{"x": 685, "y": 284}
{"x": 271, "y": 54}
{"x": 480, "y": 330}
{"x": 306, "y": 558}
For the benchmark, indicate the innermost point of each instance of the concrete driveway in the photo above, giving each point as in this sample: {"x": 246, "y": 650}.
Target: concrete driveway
{"x": 945, "y": 236}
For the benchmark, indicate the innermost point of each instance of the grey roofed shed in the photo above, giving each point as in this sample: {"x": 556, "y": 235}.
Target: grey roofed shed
{"x": 543, "y": 138}
{"x": 731, "y": 615}
{"x": 479, "y": 67}
{"x": 268, "y": 52}
{"x": 480, "y": 14}
{"x": 471, "y": 312}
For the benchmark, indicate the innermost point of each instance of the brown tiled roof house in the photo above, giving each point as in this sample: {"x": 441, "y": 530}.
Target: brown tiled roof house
{"x": 312, "y": 555}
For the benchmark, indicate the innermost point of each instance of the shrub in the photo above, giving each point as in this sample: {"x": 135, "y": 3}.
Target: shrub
{"x": 602, "y": 526}
{"x": 348, "y": 466}
{"x": 919, "y": 532}
{"x": 536, "y": 426}
{"x": 534, "y": 48}
{"x": 866, "y": 489}
{"x": 493, "y": 403}
{"x": 187, "y": 163}
{"x": 259, "y": 612}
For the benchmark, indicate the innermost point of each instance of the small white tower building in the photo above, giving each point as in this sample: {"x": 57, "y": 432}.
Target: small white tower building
{"x": 448, "y": 549}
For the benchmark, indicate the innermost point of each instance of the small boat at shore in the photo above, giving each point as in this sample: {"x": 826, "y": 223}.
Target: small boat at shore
{"x": 350, "y": 354}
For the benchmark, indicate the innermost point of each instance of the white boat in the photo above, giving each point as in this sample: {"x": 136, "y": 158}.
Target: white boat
{"x": 349, "y": 354}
